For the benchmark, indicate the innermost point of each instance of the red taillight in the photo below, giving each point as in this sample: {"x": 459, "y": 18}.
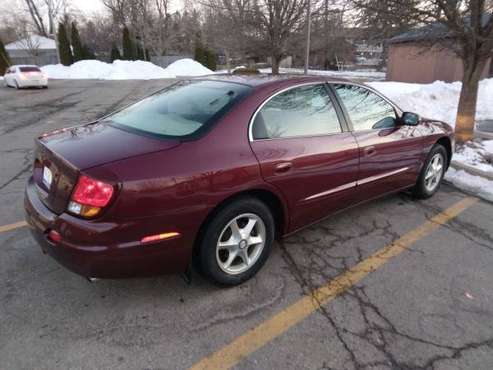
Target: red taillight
{"x": 91, "y": 192}
{"x": 90, "y": 196}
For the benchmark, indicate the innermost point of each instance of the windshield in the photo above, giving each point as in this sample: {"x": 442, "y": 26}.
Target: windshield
{"x": 181, "y": 109}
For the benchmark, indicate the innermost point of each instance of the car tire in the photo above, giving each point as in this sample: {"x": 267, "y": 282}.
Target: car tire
{"x": 237, "y": 242}
{"x": 45, "y": 86}
{"x": 16, "y": 85}
{"x": 432, "y": 173}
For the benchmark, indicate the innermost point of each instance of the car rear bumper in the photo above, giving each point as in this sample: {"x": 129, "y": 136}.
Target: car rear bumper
{"x": 32, "y": 83}
{"x": 100, "y": 260}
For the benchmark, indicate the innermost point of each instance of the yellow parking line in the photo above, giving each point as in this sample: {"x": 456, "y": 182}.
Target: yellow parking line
{"x": 13, "y": 226}
{"x": 231, "y": 354}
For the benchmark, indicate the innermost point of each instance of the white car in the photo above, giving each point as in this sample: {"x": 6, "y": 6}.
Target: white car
{"x": 20, "y": 76}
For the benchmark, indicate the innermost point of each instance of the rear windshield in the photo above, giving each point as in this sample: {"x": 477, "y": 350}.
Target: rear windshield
{"x": 29, "y": 69}
{"x": 180, "y": 110}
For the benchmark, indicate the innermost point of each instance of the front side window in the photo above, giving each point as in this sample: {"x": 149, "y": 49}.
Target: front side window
{"x": 181, "y": 109}
{"x": 366, "y": 109}
{"x": 301, "y": 111}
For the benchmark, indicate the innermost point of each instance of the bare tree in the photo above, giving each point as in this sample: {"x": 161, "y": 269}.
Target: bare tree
{"x": 28, "y": 41}
{"x": 469, "y": 33}
{"x": 51, "y": 8}
{"x": 278, "y": 19}
{"x": 159, "y": 34}
{"x": 270, "y": 23}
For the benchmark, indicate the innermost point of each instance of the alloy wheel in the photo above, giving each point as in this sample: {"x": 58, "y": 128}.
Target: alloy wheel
{"x": 241, "y": 243}
{"x": 434, "y": 172}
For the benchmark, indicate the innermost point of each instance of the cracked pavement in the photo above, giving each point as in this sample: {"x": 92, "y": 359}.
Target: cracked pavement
{"x": 431, "y": 307}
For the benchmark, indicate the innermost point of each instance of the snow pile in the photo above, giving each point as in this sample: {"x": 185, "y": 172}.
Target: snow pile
{"x": 187, "y": 67}
{"x": 477, "y": 185}
{"x": 437, "y": 100}
{"x": 124, "y": 70}
{"x": 478, "y": 154}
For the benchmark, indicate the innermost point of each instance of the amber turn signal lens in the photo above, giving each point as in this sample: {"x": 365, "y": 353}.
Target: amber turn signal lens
{"x": 154, "y": 238}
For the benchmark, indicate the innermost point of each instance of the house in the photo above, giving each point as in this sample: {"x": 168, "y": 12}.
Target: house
{"x": 34, "y": 49}
{"x": 422, "y": 56}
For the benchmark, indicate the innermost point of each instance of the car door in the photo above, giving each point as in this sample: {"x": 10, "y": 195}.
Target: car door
{"x": 304, "y": 149}
{"x": 390, "y": 153}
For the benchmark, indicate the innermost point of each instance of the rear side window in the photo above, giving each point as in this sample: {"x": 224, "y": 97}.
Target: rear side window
{"x": 182, "y": 109}
{"x": 29, "y": 69}
{"x": 366, "y": 109}
{"x": 300, "y": 111}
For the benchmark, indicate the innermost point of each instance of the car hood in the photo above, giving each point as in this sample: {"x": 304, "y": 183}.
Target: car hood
{"x": 100, "y": 143}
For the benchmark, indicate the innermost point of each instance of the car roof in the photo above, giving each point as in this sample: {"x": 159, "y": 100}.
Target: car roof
{"x": 270, "y": 80}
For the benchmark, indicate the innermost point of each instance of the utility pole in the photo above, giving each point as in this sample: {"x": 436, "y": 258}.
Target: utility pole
{"x": 308, "y": 31}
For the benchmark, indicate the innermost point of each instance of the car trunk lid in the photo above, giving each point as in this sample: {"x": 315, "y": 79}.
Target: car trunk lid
{"x": 61, "y": 155}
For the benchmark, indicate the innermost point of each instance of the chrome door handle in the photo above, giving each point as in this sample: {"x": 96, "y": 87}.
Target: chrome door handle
{"x": 370, "y": 151}
{"x": 283, "y": 167}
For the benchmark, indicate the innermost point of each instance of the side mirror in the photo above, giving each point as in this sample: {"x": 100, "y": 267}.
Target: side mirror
{"x": 410, "y": 119}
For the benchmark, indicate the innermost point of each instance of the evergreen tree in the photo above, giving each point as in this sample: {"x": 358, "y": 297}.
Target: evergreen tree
{"x": 87, "y": 52}
{"x": 210, "y": 59}
{"x": 77, "y": 46}
{"x": 127, "y": 45}
{"x": 64, "y": 46}
{"x": 140, "y": 53}
{"x": 115, "y": 53}
{"x": 199, "y": 53}
{"x": 4, "y": 59}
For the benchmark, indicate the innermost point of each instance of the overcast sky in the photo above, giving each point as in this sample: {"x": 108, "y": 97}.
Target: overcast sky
{"x": 88, "y": 7}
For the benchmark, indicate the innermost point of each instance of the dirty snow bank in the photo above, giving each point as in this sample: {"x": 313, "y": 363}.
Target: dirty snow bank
{"x": 437, "y": 100}
{"x": 124, "y": 70}
{"x": 478, "y": 154}
{"x": 480, "y": 186}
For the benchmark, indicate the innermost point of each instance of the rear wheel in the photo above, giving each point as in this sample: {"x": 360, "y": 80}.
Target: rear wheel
{"x": 431, "y": 175}
{"x": 237, "y": 241}
{"x": 16, "y": 85}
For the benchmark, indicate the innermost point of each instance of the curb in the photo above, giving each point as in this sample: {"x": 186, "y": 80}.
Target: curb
{"x": 483, "y": 134}
{"x": 471, "y": 170}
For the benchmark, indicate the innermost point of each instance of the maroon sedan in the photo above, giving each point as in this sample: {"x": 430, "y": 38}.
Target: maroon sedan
{"x": 211, "y": 171}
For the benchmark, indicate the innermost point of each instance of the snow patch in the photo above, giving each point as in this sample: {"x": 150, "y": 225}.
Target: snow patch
{"x": 124, "y": 70}
{"x": 478, "y": 185}
{"x": 438, "y": 100}
{"x": 478, "y": 154}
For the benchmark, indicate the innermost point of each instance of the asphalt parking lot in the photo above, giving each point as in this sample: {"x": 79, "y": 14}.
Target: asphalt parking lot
{"x": 393, "y": 284}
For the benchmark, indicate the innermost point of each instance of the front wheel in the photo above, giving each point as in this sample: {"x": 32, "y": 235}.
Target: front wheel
{"x": 237, "y": 242}
{"x": 432, "y": 173}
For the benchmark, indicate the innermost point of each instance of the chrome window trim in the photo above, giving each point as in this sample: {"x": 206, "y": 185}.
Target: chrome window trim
{"x": 252, "y": 119}
{"x": 353, "y": 184}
